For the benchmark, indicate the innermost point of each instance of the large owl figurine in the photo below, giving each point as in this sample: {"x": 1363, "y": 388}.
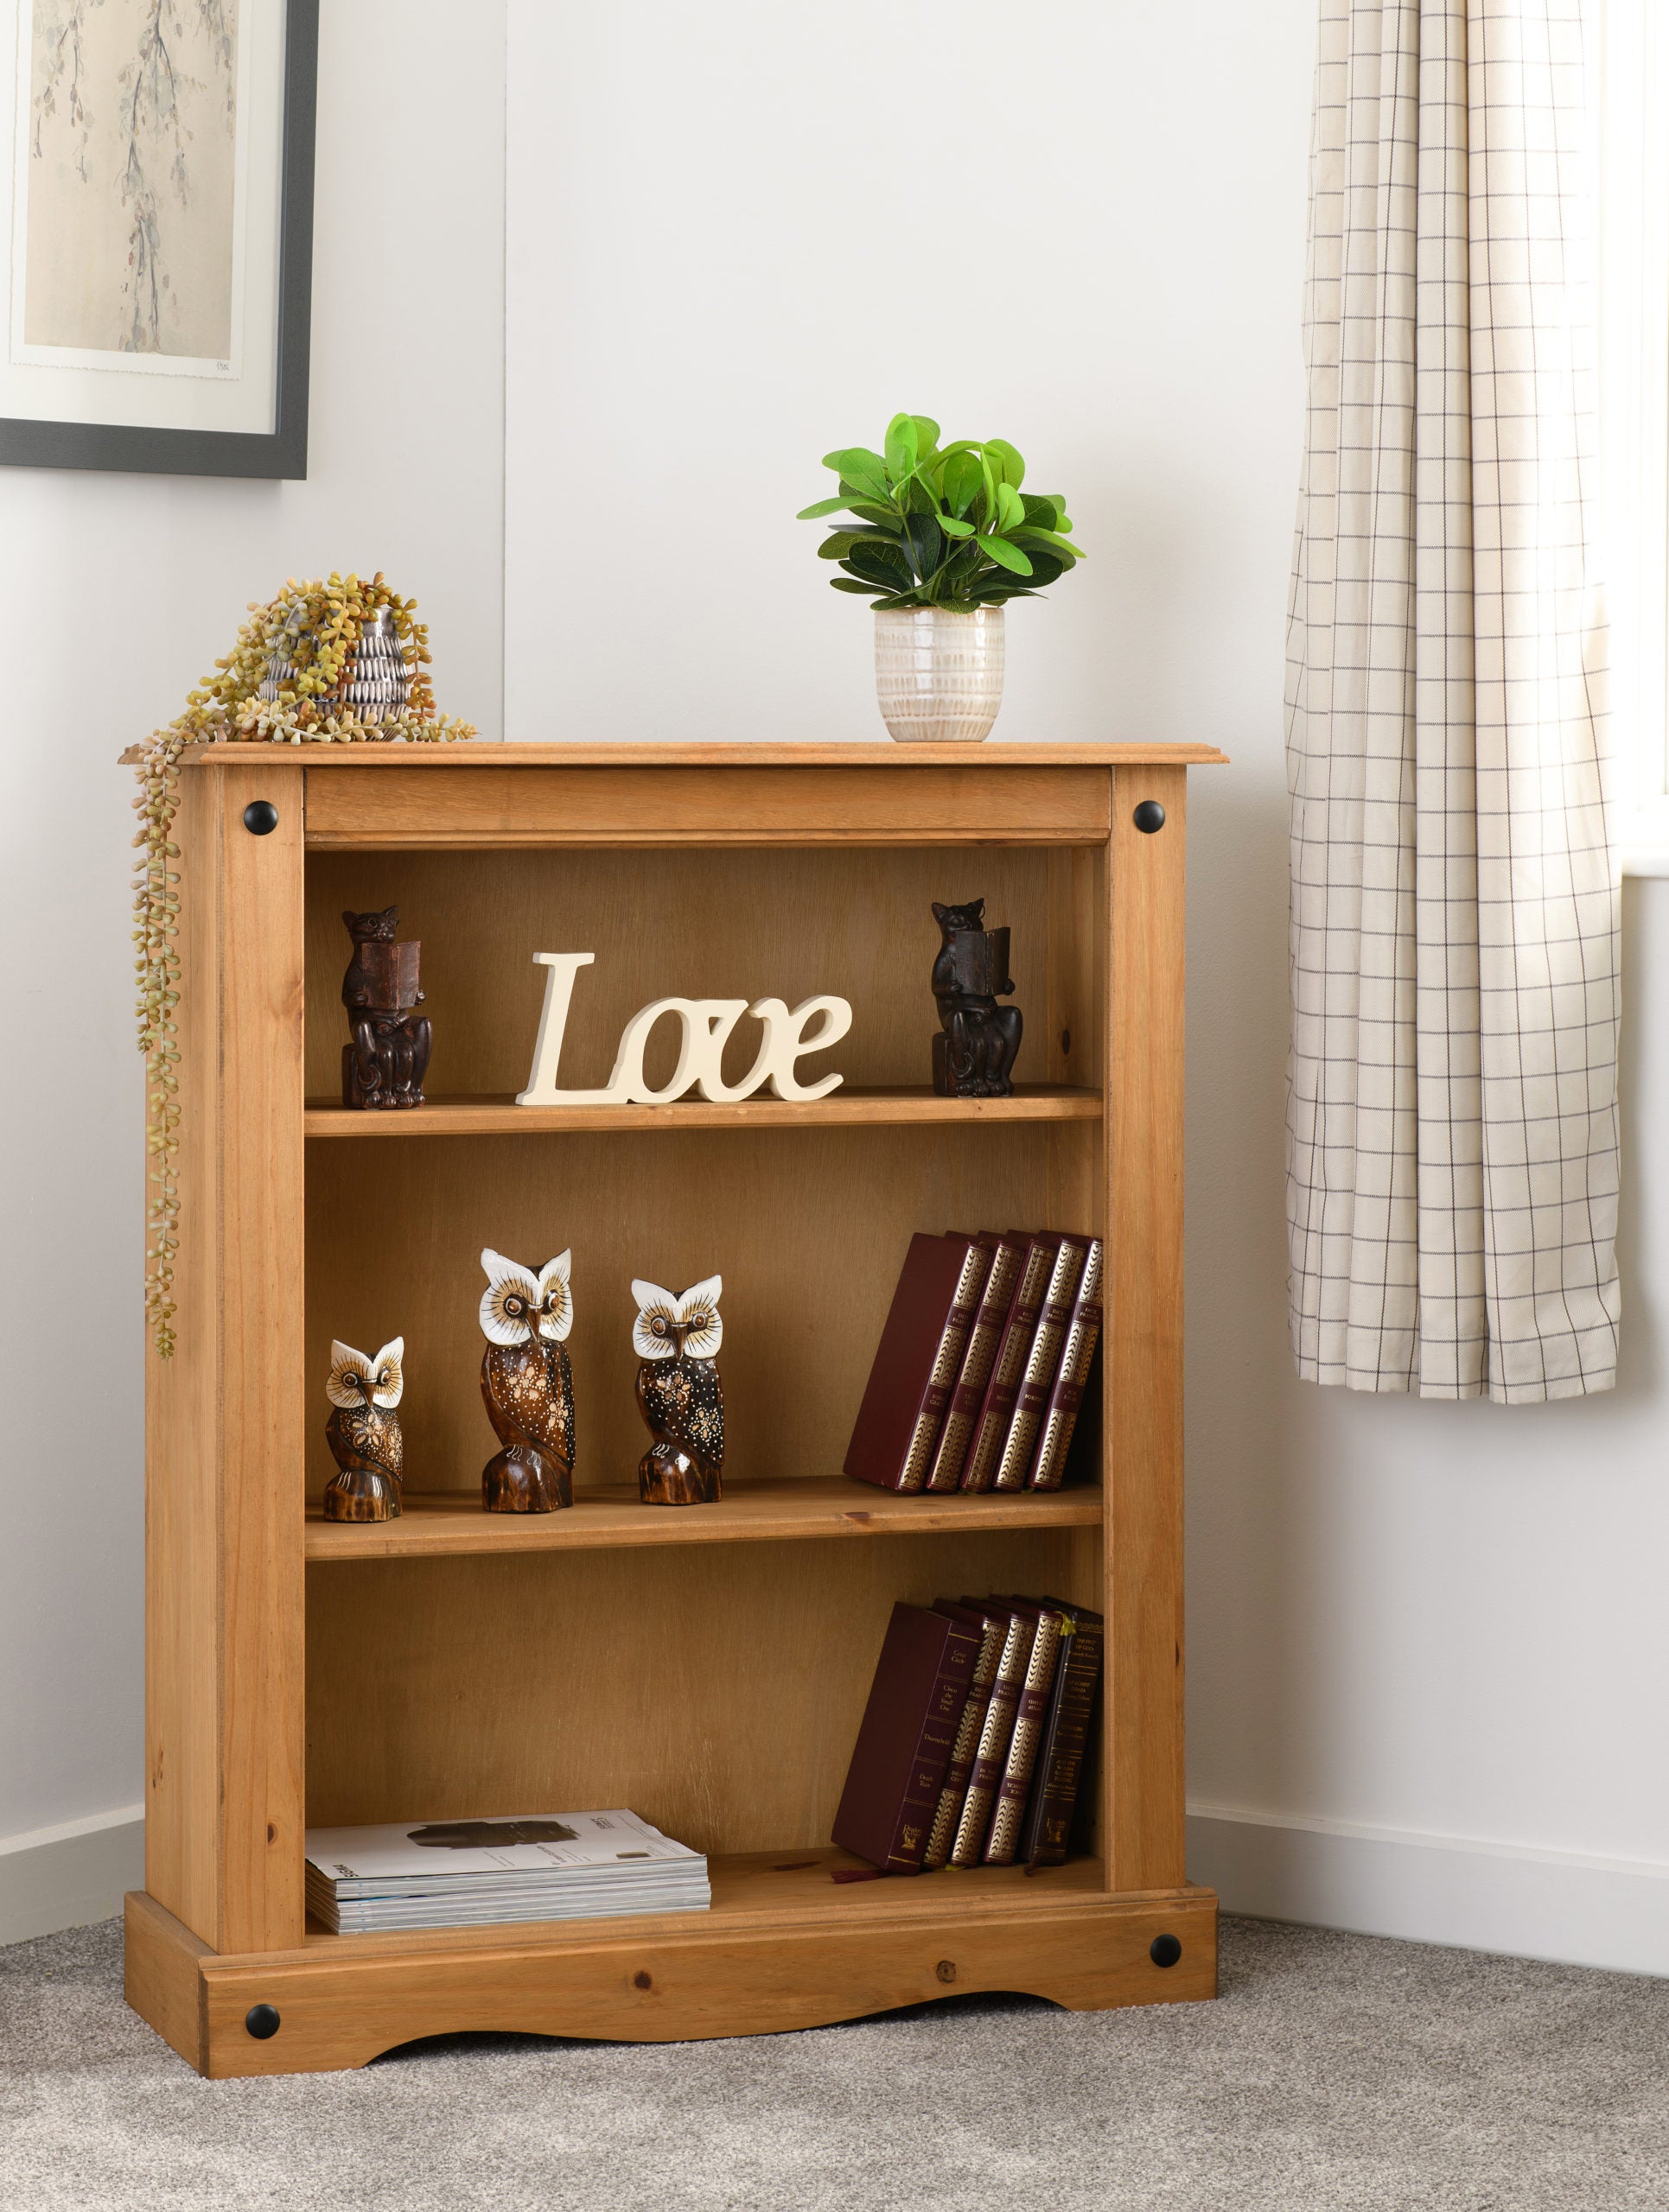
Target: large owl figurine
{"x": 677, "y": 1340}
{"x": 364, "y": 1434}
{"x": 528, "y": 1385}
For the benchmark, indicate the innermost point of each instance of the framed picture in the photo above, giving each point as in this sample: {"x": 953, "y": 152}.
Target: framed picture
{"x": 156, "y": 231}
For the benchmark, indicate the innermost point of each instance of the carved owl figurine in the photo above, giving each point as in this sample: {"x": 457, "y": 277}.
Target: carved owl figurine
{"x": 528, "y": 1385}
{"x": 364, "y": 1432}
{"x": 676, "y": 1339}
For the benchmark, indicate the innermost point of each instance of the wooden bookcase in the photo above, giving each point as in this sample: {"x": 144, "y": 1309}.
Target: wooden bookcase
{"x": 706, "y": 1666}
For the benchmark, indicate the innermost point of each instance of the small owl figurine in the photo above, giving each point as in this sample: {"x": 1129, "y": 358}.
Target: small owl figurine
{"x": 678, "y": 1393}
{"x": 364, "y": 1434}
{"x": 528, "y": 1385}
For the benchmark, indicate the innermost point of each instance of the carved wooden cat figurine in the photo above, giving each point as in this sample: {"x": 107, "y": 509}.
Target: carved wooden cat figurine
{"x": 385, "y": 1063}
{"x": 973, "y": 1054}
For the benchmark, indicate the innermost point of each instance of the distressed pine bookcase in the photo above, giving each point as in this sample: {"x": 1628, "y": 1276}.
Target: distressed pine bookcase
{"x": 706, "y": 1666}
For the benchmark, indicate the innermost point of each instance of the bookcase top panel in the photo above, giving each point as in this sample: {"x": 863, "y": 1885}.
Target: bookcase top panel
{"x": 856, "y": 754}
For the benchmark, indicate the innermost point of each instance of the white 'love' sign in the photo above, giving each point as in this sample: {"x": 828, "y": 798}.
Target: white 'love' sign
{"x": 707, "y": 1026}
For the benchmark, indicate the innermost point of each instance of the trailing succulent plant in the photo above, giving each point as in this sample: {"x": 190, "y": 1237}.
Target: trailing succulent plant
{"x": 310, "y": 632}
{"x": 939, "y": 526}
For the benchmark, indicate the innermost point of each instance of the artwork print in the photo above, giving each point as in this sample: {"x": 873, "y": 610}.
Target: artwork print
{"x": 128, "y": 234}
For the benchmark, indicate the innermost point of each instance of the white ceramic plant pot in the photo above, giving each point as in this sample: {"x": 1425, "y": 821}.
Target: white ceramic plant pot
{"x": 938, "y": 672}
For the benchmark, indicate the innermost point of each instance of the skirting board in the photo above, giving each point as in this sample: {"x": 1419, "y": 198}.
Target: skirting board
{"x": 66, "y": 1877}
{"x": 1434, "y": 1888}
{"x": 1424, "y": 1889}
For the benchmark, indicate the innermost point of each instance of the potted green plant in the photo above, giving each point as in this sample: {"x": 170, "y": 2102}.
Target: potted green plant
{"x": 943, "y": 537}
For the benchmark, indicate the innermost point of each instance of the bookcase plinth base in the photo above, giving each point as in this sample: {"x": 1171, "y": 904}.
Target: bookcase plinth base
{"x": 341, "y": 2002}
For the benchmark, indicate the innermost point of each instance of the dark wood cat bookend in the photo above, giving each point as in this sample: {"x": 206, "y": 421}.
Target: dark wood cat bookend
{"x": 384, "y": 1064}
{"x": 974, "y": 1053}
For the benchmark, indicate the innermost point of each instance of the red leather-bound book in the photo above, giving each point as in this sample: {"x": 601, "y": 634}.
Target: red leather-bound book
{"x": 1056, "y": 1778}
{"x": 1042, "y": 1362}
{"x": 1048, "y": 1463}
{"x": 998, "y": 1732}
{"x": 991, "y": 1628}
{"x": 950, "y": 1455}
{"x": 990, "y": 1426}
{"x": 916, "y": 1362}
{"x": 904, "y": 1746}
{"x": 1031, "y": 1708}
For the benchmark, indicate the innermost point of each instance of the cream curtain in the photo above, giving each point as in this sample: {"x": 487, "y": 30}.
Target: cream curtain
{"x": 1452, "y": 1115}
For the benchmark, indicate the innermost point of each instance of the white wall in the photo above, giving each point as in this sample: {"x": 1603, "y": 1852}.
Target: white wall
{"x": 117, "y": 593}
{"x": 1428, "y": 1658}
{"x": 1428, "y": 1645}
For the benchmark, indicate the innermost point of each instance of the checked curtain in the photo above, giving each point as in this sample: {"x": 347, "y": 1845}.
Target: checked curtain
{"x": 1452, "y": 1111}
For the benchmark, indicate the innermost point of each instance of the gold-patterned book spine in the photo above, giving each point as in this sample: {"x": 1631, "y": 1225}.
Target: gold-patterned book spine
{"x": 1045, "y": 1357}
{"x": 1048, "y": 1464}
{"x": 993, "y": 1424}
{"x": 942, "y": 1835}
{"x": 994, "y": 1739}
{"x": 952, "y": 1344}
{"x": 978, "y": 1361}
{"x": 1008, "y": 1810}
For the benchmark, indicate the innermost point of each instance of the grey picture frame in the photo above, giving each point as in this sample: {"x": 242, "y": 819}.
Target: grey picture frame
{"x": 281, "y": 452}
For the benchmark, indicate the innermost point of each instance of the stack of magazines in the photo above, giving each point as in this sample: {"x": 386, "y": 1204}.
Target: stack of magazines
{"x": 467, "y": 1873}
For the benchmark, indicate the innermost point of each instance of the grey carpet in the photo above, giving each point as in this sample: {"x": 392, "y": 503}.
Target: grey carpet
{"x": 1336, "y": 2072}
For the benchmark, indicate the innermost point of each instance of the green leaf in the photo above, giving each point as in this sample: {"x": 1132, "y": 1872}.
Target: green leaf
{"x": 989, "y": 481}
{"x": 953, "y": 526}
{"x": 902, "y": 445}
{"x": 1046, "y": 568}
{"x": 1001, "y": 455}
{"x": 1005, "y": 555}
{"x": 841, "y": 542}
{"x": 926, "y": 437}
{"x": 864, "y": 471}
{"x": 887, "y": 519}
{"x": 1011, "y": 514}
{"x": 1051, "y": 537}
{"x": 1044, "y": 513}
{"x": 879, "y": 564}
{"x": 962, "y": 480}
{"x": 846, "y": 583}
{"x": 822, "y": 507}
{"x": 924, "y": 545}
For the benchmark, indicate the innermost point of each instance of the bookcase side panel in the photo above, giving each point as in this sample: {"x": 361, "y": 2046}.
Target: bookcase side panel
{"x": 182, "y": 1768}
{"x": 1143, "y": 1805}
{"x": 261, "y": 1384}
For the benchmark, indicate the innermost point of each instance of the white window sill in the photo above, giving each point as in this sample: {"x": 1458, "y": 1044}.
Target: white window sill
{"x": 1646, "y": 859}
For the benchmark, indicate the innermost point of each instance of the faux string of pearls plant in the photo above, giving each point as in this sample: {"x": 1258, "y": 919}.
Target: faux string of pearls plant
{"x": 944, "y": 538}
{"x": 290, "y": 679}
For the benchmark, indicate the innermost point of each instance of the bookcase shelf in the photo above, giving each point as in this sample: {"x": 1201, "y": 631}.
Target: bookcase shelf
{"x": 901, "y": 1107}
{"x": 708, "y": 1666}
{"x": 437, "y": 1525}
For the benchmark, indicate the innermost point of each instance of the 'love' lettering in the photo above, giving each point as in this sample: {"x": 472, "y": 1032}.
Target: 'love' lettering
{"x": 706, "y": 1029}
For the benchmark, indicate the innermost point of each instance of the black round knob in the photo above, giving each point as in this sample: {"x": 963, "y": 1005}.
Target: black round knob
{"x": 262, "y": 2021}
{"x": 261, "y": 819}
{"x": 1164, "y": 1951}
{"x": 1148, "y": 817}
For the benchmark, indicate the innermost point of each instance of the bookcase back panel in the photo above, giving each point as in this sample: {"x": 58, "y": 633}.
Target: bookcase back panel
{"x": 716, "y": 1690}
{"x": 672, "y": 924}
{"x": 808, "y": 1229}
